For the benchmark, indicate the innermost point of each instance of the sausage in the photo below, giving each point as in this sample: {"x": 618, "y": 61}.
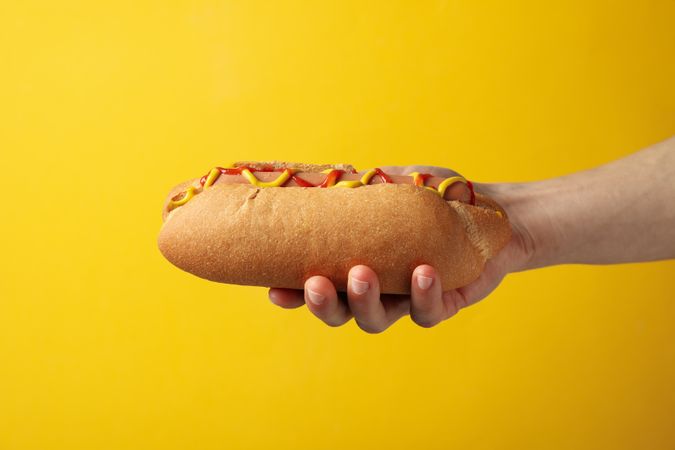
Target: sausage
{"x": 457, "y": 191}
{"x": 452, "y": 188}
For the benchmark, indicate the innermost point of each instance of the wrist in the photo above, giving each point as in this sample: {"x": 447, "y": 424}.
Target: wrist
{"x": 535, "y": 233}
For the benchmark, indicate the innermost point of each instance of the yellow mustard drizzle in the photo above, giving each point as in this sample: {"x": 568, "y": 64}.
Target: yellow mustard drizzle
{"x": 281, "y": 179}
{"x": 442, "y": 187}
{"x": 365, "y": 179}
{"x": 212, "y": 177}
{"x": 215, "y": 173}
{"x": 191, "y": 191}
{"x": 287, "y": 173}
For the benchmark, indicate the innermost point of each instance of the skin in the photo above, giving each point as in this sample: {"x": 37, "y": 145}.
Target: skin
{"x": 619, "y": 212}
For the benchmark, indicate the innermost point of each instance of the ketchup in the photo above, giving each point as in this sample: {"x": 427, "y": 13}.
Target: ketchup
{"x": 383, "y": 176}
{"x": 473, "y": 194}
{"x": 331, "y": 178}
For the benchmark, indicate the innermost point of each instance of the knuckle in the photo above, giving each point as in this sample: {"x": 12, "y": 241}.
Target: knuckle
{"x": 454, "y": 301}
{"x": 425, "y": 321}
{"x": 371, "y": 328}
{"x": 335, "y": 322}
{"x": 461, "y": 301}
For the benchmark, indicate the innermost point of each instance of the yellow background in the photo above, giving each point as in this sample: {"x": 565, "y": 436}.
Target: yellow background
{"x": 106, "y": 105}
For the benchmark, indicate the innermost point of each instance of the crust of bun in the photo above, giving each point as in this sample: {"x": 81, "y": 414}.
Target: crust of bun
{"x": 278, "y": 237}
{"x": 301, "y": 167}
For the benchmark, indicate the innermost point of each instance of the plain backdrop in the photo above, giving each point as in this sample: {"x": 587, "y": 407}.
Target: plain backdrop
{"x": 106, "y": 105}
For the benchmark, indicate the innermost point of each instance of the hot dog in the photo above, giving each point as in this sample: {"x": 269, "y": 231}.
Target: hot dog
{"x": 275, "y": 224}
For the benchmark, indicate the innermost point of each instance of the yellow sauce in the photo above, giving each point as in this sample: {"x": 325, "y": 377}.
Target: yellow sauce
{"x": 442, "y": 187}
{"x": 287, "y": 173}
{"x": 281, "y": 179}
{"x": 365, "y": 179}
{"x": 187, "y": 195}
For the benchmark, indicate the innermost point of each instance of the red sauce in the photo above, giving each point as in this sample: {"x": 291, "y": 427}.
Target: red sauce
{"x": 473, "y": 194}
{"x": 383, "y": 176}
{"x": 301, "y": 182}
{"x": 423, "y": 177}
{"x": 331, "y": 178}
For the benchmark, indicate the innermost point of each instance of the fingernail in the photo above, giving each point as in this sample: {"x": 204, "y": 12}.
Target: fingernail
{"x": 424, "y": 282}
{"x": 315, "y": 297}
{"x": 359, "y": 287}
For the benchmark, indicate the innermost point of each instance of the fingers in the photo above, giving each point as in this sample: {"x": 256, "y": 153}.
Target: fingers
{"x": 426, "y": 304}
{"x": 453, "y": 301}
{"x": 286, "y": 298}
{"x": 396, "y": 306}
{"x": 322, "y": 300}
{"x": 373, "y": 315}
{"x": 363, "y": 295}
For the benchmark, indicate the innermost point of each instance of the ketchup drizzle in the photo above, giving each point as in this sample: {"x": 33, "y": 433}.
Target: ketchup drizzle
{"x": 473, "y": 194}
{"x": 330, "y": 179}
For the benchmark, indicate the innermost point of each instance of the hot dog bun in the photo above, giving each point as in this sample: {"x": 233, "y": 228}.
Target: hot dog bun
{"x": 280, "y": 236}
{"x": 301, "y": 167}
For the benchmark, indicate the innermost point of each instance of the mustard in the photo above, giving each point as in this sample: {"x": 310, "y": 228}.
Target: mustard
{"x": 187, "y": 195}
{"x": 365, "y": 179}
{"x": 281, "y": 179}
{"x": 284, "y": 176}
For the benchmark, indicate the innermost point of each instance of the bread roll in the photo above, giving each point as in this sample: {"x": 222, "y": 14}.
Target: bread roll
{"x": 280, "y": 236}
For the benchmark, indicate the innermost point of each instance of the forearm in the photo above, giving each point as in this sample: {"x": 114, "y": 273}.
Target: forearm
{"x": 623, "y": 211}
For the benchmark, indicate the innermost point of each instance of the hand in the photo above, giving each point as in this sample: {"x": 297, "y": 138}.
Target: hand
{"x": 427, "y": 305}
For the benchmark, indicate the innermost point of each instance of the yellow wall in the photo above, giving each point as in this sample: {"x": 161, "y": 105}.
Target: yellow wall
{"x": 105, "y": 105}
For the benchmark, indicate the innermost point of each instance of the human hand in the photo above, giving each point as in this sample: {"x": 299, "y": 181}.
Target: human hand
{"x": 427, "y": 304}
